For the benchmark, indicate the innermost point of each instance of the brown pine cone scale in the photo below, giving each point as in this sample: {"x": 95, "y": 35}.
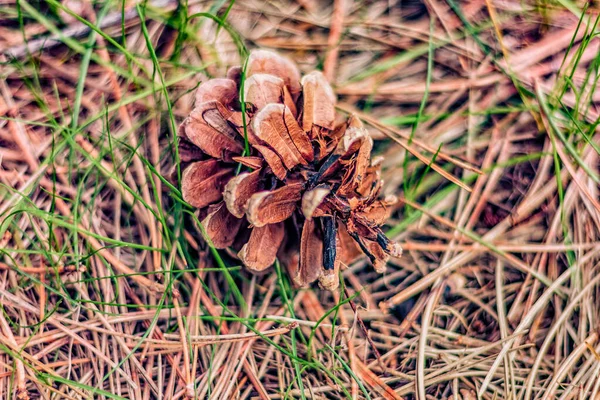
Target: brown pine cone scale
{"x": 306, "y": 193}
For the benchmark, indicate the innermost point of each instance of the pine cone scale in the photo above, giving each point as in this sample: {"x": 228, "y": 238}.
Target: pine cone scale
{"x": 240, "y": 189}
{"x": 202, "y": 182}
{"x": 263, "y": 89}
{"x": 208, "y": 129}
{"x": 311, "y": 253}
{"x": 283, "y": 135}
{"x": 261, "y": 249}
{"x": 319, "y": 103}
{"x": 269, "y": 207}
{"x": 221, "y": 226}
{"x": 274, "y": 161}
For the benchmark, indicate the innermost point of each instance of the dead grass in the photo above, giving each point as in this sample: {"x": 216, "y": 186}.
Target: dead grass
{"x": 488, "y": 116}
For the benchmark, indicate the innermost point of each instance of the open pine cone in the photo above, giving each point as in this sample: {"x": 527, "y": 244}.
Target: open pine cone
{"x": 300, "y": 188}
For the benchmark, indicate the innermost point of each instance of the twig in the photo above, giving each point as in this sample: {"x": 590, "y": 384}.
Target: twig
{"x": 335, "y": 33}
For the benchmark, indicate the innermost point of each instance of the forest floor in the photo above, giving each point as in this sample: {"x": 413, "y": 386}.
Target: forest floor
{"x": 487, "y": 114}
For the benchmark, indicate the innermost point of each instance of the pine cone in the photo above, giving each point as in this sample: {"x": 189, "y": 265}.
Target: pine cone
{"x": 300, "y": 188}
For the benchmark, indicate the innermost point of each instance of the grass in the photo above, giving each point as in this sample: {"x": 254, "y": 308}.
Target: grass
{"x": 109, "y": 289}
